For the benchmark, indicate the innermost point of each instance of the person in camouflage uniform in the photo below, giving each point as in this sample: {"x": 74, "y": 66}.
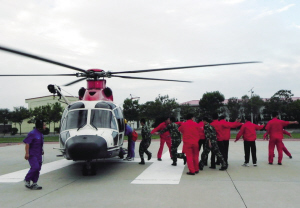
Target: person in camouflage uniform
{"x": 211, "y": 145}
{"x": 172, "y": 127}
{"x": 145, "y": 143}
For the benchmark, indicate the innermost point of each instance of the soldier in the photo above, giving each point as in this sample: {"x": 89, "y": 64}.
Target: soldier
{"x": 145, "y": 143}
{"x": 172, "y": 127}
{"x": 211, "y": 145}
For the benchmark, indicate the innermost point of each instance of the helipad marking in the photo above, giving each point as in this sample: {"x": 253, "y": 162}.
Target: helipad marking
{"x": 18, "y": 176}
{"x": 161, "y": 172}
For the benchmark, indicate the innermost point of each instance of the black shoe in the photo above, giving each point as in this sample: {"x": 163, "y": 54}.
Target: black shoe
{"x": 174, "y": 164}
{"x": 159, "y": 159}
{"x": 142, "y": 162}
{"x": 212, "y": 167}
{"x": 184, "y": 159}
{"x": 223, "y": 168}
{"x": 149, "y": 156}
{"x": 279, "y": 163}
{"x": 291, "y": 157}
{"x": 205, "y": 164}
{"x": 270, "y": 163}
{"x": 197, "y": 172}
{"x": 189, "y": 173}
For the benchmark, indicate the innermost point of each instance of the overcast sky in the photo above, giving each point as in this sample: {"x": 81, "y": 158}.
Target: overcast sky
{"x": 119, "y": 35}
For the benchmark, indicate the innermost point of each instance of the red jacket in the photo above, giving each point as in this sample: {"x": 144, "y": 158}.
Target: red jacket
{"x": 161, "y": 127}
{"x": 217, "y": 126}
{"x": 225, "y": 129}
{"x": 190, "y": 132}
{"x": 274, "y": 128}
{"x": 248, "y": 131}
{"x": 202, "y": 135}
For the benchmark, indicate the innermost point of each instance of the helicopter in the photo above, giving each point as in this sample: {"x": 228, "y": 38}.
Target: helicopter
{"x": 93, "y": 127}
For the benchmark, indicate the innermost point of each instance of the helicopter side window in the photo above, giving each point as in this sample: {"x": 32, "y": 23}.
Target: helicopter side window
{"x": 103, "y": 119}
{"x": 120, "y": 119}
{"x": 76, "y": 106}
{"x": 75, "y": 119}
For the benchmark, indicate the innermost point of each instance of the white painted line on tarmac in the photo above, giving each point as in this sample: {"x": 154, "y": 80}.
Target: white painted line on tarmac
{"x": 161, "y": 172}
{"x": 19, "y": 176}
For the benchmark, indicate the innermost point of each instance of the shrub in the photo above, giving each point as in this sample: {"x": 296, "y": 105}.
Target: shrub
{"x": 14, "y": 131}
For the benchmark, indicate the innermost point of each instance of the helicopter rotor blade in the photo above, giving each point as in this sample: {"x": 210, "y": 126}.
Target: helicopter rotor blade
{"x": 68, "y": 84}
{"x": 128, "y": 77}
{"x": 40, "y": 58}
{"x": 184, "y": 67}
{"x": 34, "y": 75}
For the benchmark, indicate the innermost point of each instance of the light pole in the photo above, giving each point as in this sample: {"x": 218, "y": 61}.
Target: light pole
{"x": 251, "y": 91}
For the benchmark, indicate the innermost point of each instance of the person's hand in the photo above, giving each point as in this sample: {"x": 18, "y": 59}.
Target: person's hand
{"x": 26, "y": 156}
{"x": 235, "y": 140}
{"x": 43, "y": 152}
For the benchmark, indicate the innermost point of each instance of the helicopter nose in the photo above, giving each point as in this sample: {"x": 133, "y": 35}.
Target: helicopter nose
{"x": 86, "y": 147}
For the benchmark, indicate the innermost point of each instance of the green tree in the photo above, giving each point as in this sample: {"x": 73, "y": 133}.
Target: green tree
{"x": 163, "y": 106}
{"x": 233, "y": 106}
{"x": 293, "y": 111}
{"x": 131, "y": 109}
{"x": 256, "y": 103}
{"x": 187, "y": 108}
{"x": 279, "y": 102}
{"x": 19, "y": 115}
{"x": 56, "y": 112}
{"x": 211, "y": 102}
{"x": 5, "y": 115}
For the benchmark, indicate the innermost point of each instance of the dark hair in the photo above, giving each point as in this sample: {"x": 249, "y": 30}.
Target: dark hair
{"x": 39, "y": 124}
{"x": 215, "y": 116}
{"x": 189, "y": 116}
{"x": 248, "y": 118}
{"x": 173, "y": 119}
{"x": 205, "y": 118}
{"x": 222, "y": 117}
{"x": 274, "y": 114}
{"x": 143, "y": 120}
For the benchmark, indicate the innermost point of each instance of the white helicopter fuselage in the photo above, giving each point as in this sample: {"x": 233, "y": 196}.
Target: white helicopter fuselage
{"x": 91, "y": 130}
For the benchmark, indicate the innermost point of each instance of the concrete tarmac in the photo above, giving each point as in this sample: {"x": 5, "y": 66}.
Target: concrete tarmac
{"x": 238, "y": 187}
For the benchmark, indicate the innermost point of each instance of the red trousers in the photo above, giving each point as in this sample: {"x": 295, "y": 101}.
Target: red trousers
{"x": 192, "y": 156}
{"x": 279, "y": 145}
{"x": 161, "y": 147}
{"x": 285, "y": 150}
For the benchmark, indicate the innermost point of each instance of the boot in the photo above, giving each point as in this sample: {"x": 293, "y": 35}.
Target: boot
{"x": 142, "y": 161}
{"x": 174, "y": 161}
{"x": 149, "y": 156}
{"x": 184, "y": 159}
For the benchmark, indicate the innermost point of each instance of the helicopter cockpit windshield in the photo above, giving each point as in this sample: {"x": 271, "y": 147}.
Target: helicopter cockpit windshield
{"x": 75, "y": 119}
{"x": 102, "y": 119}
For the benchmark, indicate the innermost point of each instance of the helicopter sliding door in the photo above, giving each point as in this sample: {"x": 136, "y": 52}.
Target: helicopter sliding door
{"x": 119, "y": 116}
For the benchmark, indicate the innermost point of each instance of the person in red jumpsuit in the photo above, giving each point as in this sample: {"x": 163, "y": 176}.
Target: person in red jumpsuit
{"x": 190, "y": 136}
{"x": 225, "y": 134}
{"x": 284, "y": 149}
{"x": 164, "y": 138}
{"x": 274, "y": 128}
{"x": 248, "y": 131}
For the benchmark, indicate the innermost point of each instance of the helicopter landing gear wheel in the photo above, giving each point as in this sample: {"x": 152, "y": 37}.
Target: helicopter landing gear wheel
{"x": 89, "y": 169}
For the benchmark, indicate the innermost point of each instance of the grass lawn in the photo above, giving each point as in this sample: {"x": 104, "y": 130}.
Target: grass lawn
{"x": 55, "y": 138}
